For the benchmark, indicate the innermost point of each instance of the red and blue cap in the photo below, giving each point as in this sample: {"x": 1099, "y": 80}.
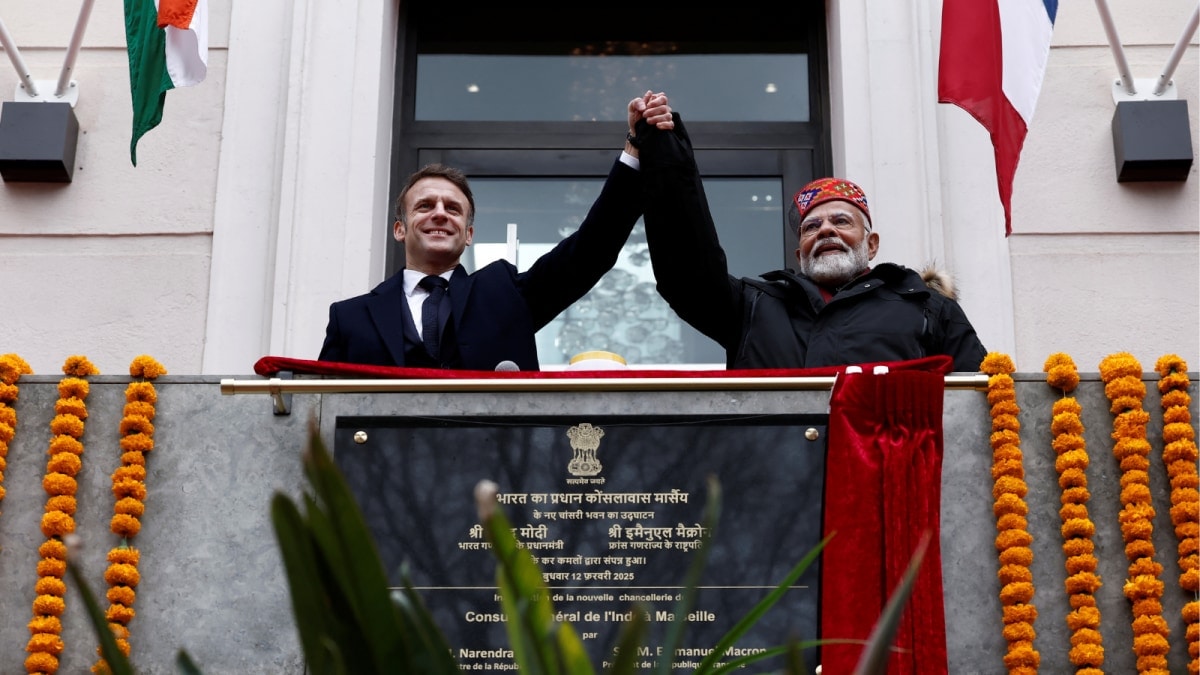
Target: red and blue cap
{"x": 824, "y": 190}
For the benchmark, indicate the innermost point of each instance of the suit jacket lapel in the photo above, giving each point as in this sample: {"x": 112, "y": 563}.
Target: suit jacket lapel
{"x": 389, "y": 312}
{"x": 460, "y": 290}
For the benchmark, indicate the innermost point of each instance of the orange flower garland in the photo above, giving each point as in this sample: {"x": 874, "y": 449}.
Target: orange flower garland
{"x": 1013, "y": 540}
{"x": 129, "y": 489}
{"x": 65, "y": 451}
{"x": 12, "y": 367}
{"x": 1122, "y": 376}
{"x": 1087, "y": 648}
{"x": 1180, "y": 457}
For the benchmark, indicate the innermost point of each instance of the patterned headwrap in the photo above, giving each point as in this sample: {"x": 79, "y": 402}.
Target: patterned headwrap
{"x": 830, "y": 189}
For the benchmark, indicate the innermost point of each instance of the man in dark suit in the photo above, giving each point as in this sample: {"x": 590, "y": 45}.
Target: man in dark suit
{"x": 480, "y": 320}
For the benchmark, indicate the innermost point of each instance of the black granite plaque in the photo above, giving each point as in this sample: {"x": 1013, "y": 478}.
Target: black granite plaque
{"x": 611, "y": 507}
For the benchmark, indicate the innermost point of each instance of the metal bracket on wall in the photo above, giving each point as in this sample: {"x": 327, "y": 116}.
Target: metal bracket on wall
{"x": 1126, "y": 87}
{"x": 281, "y": 400}
{"x": 65, "y": 89}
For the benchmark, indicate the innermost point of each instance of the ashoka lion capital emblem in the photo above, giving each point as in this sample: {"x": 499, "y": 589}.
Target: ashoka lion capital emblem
{"x": 585, "y": 441}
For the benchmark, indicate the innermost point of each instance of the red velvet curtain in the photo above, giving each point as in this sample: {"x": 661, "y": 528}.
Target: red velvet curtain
{"x": 883, "y": 472}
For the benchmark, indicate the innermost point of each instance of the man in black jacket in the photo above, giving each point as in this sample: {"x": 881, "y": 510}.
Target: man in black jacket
{"x": 837, "y": 310}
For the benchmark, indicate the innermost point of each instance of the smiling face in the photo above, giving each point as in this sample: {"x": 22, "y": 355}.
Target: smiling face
{"x": 435, "y": 225}
{"x": 835, "y": 244}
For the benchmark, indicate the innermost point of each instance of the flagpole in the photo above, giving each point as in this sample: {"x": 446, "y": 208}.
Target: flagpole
{"x": 15, "y": 56}
{"x": 1164, "y": 80}
{"x": 1114, "y": 41}
{"x": 64, "y": 78}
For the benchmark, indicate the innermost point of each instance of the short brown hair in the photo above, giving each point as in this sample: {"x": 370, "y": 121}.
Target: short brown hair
{"x": 455, "y": 176}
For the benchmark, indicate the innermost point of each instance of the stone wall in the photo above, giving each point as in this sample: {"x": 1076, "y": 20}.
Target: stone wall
{"x": 212, "y": 582}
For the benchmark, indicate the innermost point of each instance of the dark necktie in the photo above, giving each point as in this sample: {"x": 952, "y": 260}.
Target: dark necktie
{"x": 431, "y": 314}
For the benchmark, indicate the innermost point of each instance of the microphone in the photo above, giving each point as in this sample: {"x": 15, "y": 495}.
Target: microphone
{"x": 507, "y": 366}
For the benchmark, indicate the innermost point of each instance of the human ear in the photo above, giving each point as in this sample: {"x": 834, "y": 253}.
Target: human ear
{"x": 872, "y": 245}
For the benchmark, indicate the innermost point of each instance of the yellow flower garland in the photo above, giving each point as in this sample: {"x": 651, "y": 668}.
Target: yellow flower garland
{"x": 1087, "y": 645}
{"x": 65, "y": 451}
{"x": 1180, "y": 457}
{"x": 12, "y": 367}
{"x": 129, "y": 489}
{"x": 1013, "y": 540}
{"x": 1122, "y": 376}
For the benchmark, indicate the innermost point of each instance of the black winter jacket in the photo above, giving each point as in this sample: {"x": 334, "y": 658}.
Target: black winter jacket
{"x": 781, "y": 320}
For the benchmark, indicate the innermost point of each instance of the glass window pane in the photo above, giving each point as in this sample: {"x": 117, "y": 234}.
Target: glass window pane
{"x": 624, "y": 312}
{"x": 514, "y": 88}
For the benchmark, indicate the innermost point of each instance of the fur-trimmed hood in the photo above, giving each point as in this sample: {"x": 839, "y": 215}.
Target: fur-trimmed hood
{"x": 939, "y": 280}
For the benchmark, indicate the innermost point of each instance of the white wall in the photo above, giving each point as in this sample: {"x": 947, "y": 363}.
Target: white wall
{"x": 115, "y": 263}
{"x": 303, "y": 175}
{"x": 1100, "y": 266}
{"x": 257, "y": 201}
{"x": 1093, "y": 266}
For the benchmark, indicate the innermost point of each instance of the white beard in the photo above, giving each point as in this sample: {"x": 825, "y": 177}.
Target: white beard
{"x": 835, "y": 269}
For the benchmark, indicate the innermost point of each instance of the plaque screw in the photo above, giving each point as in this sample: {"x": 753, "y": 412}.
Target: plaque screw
{"x": 811, "y": 434}
{"x": 360, "y": 437}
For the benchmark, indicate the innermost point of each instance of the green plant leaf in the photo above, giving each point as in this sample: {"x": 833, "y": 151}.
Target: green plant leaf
{"x": 795, "y": 658}
{"x": 348, "y": 627}
{"x": 687, "y": 600}
{"x": 572, "y": 653}
{"x": 541, "y": 644}
{"x": 346, "y": 541}
{"x": 524, "y": 600}
{"x": 429, "y": 652}
{"x": 117, "y": 663}
{"x": 873, "y": 660}
{"x": 185, "y": 665}
{"x": 310, "y": 603}
{"x": 329, "y": 632}
{"x": 629, "y": 639}
{"x": 752, "y": 617}
{"x": 743, "y": 661}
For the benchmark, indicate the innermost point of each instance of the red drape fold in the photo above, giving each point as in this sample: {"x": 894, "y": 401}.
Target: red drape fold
{"x": 883, "y": 472}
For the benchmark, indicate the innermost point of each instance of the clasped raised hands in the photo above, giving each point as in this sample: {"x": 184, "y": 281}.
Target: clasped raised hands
{"x": 653, "y": 108}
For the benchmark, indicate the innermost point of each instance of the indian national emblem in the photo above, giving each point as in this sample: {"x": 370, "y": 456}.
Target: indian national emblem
{"x": 585, "y": 441}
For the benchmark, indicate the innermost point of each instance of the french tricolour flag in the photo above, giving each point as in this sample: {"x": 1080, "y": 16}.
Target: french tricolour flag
{"x": 993, "y": 57}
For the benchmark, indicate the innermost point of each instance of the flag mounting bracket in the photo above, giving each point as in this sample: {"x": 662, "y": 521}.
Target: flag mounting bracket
{"x": 40, "y": 87}
{"x": 65, "y": 89}
{"x": 1152, "y": 139}
{"x": 1128, "y": 88}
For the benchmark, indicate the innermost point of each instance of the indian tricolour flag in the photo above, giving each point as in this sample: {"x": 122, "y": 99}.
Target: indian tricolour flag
{"x": 168, "y": 48}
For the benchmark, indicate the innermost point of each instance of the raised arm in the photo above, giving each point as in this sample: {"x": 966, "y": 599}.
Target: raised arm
{"x": 568, "y": 271}
{"x": 689, "y": 263}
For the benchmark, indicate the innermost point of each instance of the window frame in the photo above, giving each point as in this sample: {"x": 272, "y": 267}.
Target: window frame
{"x": 793, "y": 152}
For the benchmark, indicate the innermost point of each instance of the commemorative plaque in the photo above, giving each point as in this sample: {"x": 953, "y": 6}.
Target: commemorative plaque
{"x": 611, "y": 508}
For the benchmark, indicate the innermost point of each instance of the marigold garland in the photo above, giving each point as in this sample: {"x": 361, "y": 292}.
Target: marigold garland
{"x": 45, "y": 642}
{"x": 1122, "y": 376}
{"x": 12, "y": 367}
{"x": 1013, "y": 540}
{"x": 129, "y": 488}
{"x": 1180, "y": 457}
{"x": 1087, "y": 645}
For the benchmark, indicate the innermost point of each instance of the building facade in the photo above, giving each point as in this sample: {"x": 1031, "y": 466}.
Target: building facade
{"x": 265, "y": 194}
